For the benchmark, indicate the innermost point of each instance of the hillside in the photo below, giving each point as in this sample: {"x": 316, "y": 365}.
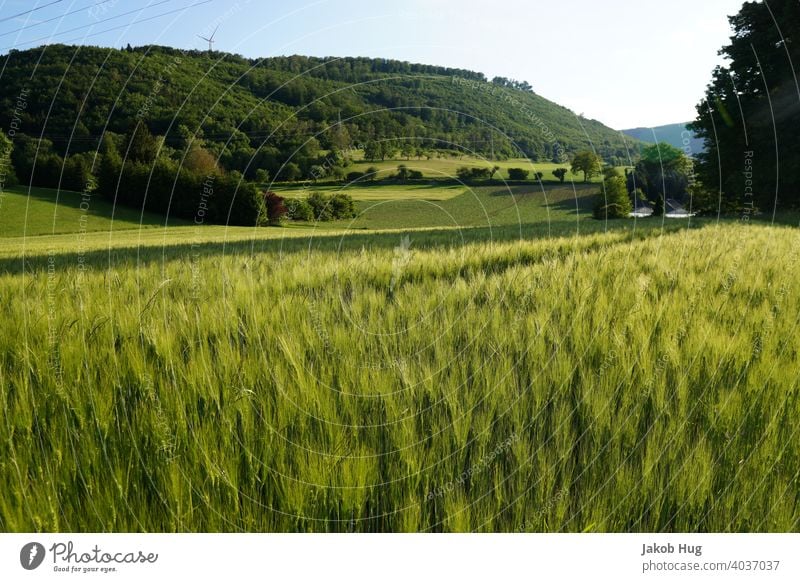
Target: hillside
{"x": 674, "y": 134}
{"x": 274, "y": 108}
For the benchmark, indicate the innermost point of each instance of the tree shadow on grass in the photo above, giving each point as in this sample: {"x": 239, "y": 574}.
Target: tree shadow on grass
{"x": 95, "y": 206}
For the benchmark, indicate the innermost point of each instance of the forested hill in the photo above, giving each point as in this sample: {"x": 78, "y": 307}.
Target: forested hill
{"x": 675, "y": 134}
{"x": 73, "y": 94}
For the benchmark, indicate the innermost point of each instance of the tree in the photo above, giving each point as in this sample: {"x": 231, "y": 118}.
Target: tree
{"x": 663, "y": 170}
{"x": 7, "y": 175}
{"x": 749, "y": 107}
{"x": 200, "y": 160}
{"x": 26, "y": 152}
{"x": 539, "y": 176}
{"x": 276, "y": 211}
{"x": 613, "y": 200}
{"x": 297, "y": 209}
{"x": 587, "y": 162}
{"x": 238, "y": 203}
{"x": 560, "y": 173}
{"x": 320, "y": 206}
{"x": 517, "y": 174}
{"x": 76, "y": 173}
{"x": 658, "y": 209}
{"x": 110, "y": 166}
{"x": 610, "y": 172}
{"x": 340, "y": 138}
{"x": 388, "y": 150}
{"x": 342, "y": 206}
{"x": 373, "y": 151}
{"x": 291, "y": 172}
{"x": 140, "y": 145}
{"x": 379, "y": 115}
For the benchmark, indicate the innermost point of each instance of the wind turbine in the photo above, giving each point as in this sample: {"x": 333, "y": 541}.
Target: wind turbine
{"x": 210, "y": 39}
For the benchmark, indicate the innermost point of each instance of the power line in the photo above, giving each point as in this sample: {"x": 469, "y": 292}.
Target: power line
{"x": 141, "y": 21}
{"x": 29, "y": 11}
{"x": 91, "y": 25}
{"x": 39, "y": 23}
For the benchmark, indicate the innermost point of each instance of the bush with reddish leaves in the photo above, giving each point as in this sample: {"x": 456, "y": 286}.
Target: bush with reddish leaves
{"x": 276, "y": 210}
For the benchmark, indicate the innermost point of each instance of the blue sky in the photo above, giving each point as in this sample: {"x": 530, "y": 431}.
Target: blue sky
{"x": 627, "y": 63}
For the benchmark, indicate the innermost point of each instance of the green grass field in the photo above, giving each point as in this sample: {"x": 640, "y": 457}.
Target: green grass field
{"x": 525, "y": 369}
{"x": 447, "y": 167}
{"x": 391, "y": 206}
{"x": 379, "y": 192}
{"x": 35, "y": 211}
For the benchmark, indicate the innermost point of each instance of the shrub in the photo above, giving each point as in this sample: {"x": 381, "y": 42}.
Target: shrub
{"x": 404, "y": 173}
{"x": 342, "y": 206}
{"x": 334, "y": 207}
{"x": 613, "y": 201}
{"x": 354, "y": 176}
{"x": 320, "y": 206}
{"x": 290, "y": 172}
{"x": 238, "y": 203}
{"x": 517, "y": 174}
{"x": 560, "y": 173}
{"x": 466, "y": 174}
{"x": 276, "y": 210}
{"x": 297, "y": 209}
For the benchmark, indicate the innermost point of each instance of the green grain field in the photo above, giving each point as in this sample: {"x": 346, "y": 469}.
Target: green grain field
{"x": 543, "y": 374}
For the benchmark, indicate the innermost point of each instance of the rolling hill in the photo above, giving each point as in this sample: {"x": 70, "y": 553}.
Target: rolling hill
{"x": 279, "y": 106}
{"x": 675, "y": 134}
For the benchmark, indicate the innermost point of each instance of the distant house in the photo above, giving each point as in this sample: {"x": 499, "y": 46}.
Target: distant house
{"x": 674, "y": 209}
{"x": 641, "y": 212}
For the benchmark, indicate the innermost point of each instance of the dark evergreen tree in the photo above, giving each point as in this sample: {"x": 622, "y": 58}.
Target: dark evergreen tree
{"x": 750, "y": 117}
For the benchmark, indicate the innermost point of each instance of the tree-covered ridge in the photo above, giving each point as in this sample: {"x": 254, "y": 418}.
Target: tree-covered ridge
{"x": 260, "y": 114}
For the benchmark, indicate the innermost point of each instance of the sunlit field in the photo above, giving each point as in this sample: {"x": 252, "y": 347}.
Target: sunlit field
{"x": 474, "y": 378}
{"x": 447, "y": 166}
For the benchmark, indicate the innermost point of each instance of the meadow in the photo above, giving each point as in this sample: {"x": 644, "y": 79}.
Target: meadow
{"x": 445, "y": 167}
{"x": 537, "y": 375}
{"x": 560, "y": 207}
{"x": 33, "y": 211}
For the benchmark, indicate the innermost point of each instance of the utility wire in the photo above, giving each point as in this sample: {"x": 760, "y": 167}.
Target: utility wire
{"x": 29, "y": 11}
{"x": 39, "y": 23}
{"x": 140, "y": 21}
{"x": 92, "y": 24}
